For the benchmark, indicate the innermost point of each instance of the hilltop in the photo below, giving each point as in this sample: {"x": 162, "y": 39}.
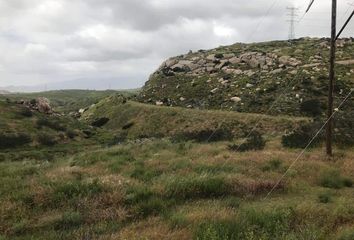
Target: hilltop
{"x": 250, "y": 77}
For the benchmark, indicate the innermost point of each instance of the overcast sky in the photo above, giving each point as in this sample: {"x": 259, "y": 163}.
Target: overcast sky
{"x": 118, "y": 43}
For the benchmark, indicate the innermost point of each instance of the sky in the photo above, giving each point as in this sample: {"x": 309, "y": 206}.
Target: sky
{"x": 102, "y": 44}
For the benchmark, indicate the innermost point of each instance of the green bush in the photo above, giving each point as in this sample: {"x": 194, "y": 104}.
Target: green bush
{"x": 25, "y": 112}
{"x": 12, "y": 140}
{"x": 52, "y": 124}
{"x": 254, "y": 142}
{"x": 325, "y": 198}
{"x": 196, "y": 187}
{"x": 204, "y": 135}
{"x": 272, "y": 165}
{"x": 151, "y": 206}
{"x": 301, "y": 136}
{"x": 333, "y": 179}
{"x": 100, "y": 122}
{"x": 71, "y": 133}
{"x": 344, "y": 129}
{"x": 137, "y": 193}
{"x": 47, "y": 139}
{"x": 311, "y": 107}
{"x": 219, "y": 55}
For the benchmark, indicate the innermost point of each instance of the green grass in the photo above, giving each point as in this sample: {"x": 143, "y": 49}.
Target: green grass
{"x": 199, "y": 191}
{"x": 182, "y": 124}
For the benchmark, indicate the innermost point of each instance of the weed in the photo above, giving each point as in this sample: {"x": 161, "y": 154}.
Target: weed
{"x": 233, "y": 202}
{"x": 347, "y": 235}
{"x": 137, "y": 193}
{"x": 253, "y": 142}
{"x": 333, "y": 179}
{"x": 70, "y": 190}
{"x": 143, "y": 173}
{"x": 272, "y": 165}
{"x": 53, "y": 124}
{"x": 196, "y": 187}
{"x": 69, "y": 220}
{"x": 151, "y": 206}
{"x": 325, "y": 198}
{"x": 47, "y": 139}
{"x": 11, "y": 140}
{"x": 204, "y": 135}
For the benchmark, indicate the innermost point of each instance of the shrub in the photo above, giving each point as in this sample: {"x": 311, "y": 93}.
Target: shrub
{"x": 344, "y": 129}
{"x": 100, "y": 122}
{"x": 300, "y": 137}
{"x": 333, "y": 179}
{"x": 324, "y": 198}
{"x": 128, "y": 125}
{"x": 178, "y": 220}
{"x": 47, "y": 139}
{"x": 137, "y": 193}
{"x": 272, "y": 165}
{"x": 219, "y": 55}
{"x": 11, "y": 140}
{"x": 151, "y": 206}
{"x": 70, "y": 133}
{"x": 311, "y": 107}
{"x": 52, "y": 124}
{"x": 69, "y": 220}
{"x": 25, "y": 112}
{"x": 204, "y": 135}
{"x": 254, "y": 142}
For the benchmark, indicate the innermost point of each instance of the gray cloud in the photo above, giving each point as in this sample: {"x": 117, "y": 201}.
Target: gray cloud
{"x": 48, "y": 41}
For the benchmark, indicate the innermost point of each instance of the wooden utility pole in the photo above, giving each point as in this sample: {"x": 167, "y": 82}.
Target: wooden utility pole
{"x": 329, "y": 130}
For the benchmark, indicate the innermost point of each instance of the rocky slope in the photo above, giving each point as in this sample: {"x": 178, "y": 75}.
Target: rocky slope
{"x": 250, "y": 77}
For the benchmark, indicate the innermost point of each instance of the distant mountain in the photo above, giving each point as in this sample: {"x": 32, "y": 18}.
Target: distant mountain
{"x": 4, "y": 92}
{"x": 253, "y": 77}
{"x": 81, "y": 83}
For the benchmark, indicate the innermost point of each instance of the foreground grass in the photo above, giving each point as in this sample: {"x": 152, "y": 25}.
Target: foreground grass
{"x": 163, "y": 190}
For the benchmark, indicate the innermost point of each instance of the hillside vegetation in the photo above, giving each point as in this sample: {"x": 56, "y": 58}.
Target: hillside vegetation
{"x": 250, "y": 77}
{"x": 70, "y": 100}
{"x": 161, "y": 190}
{"x": 134, "y": 120}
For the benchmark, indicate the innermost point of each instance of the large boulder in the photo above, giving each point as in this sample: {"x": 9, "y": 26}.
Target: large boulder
{"x": 43, "y": 105}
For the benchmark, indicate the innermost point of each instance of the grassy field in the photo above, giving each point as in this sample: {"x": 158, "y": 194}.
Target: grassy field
{"x": 150, "y": 174}
{"x": 157, "y": 189}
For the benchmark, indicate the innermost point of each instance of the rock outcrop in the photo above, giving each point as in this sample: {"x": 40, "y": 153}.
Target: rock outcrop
{"x": 248, "y": 77}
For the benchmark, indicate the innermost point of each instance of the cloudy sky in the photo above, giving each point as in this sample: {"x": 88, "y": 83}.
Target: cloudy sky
{"x": 117, "y": 43}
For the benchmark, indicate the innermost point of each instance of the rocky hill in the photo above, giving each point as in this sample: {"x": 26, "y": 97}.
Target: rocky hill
{"x": 250, "y": 77}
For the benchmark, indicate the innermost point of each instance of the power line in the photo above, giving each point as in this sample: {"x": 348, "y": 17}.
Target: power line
{"x": 262, "y": 19}
{"x": 308, "y": 145}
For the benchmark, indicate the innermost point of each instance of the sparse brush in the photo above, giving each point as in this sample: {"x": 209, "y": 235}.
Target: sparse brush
{"x": 253, "y": 142}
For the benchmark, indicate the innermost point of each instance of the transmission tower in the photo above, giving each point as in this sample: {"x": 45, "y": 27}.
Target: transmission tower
{"x": 292, "y": 14}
